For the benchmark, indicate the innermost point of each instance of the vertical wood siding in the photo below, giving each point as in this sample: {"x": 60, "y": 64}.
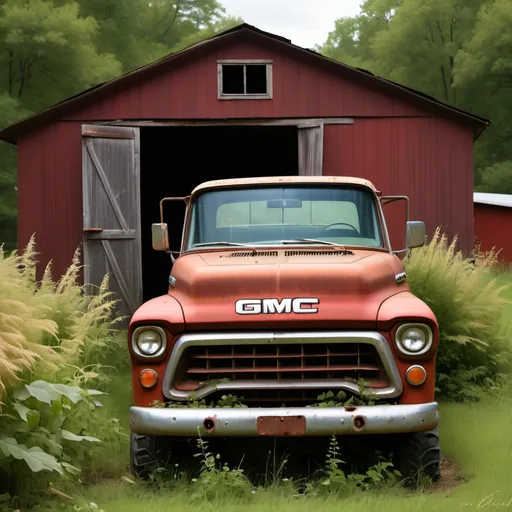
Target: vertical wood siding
{"x": 299, "y": 90}
{"x": 429, "y": 160}
{"x": 493, "y": 227}
{"x": 400, "y": 146}
{"x": 50, "y": 193}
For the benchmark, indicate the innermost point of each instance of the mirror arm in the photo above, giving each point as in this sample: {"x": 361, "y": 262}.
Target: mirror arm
{"x": 167, "y": 199}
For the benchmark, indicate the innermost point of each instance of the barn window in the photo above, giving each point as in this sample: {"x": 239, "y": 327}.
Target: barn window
{"x": 245, "y": 79}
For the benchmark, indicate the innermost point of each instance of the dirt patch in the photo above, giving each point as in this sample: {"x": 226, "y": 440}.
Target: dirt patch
{"x": 451, "y": 476}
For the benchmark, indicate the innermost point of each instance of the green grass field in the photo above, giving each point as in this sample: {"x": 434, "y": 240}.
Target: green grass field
{"x": 475, "y": 438}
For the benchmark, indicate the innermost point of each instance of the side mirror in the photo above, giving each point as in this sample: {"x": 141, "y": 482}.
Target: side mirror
{"x": 415, "y": 234}
{"x": 160, "y": 237}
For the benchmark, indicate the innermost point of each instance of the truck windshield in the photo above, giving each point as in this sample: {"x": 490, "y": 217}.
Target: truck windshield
{"x": 274, "y": 215}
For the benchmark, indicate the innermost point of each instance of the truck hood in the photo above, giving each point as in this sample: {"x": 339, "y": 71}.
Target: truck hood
{"x": 245, "y": 290}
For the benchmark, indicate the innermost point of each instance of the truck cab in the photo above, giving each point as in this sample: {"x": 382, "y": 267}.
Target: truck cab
{"x": 285, "y": 290}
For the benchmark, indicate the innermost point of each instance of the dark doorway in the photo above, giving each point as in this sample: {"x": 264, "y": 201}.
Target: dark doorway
{"x": 175, "y": 160}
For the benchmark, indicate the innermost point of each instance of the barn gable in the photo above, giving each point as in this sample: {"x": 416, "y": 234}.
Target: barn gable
{"x": 184, "y": 85}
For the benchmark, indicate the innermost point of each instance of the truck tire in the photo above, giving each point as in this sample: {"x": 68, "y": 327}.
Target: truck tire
{"x": 143, "y": 455}
{"x": 419, "y": 456}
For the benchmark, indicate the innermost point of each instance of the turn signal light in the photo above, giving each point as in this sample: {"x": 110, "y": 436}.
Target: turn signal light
{"x": 416, "y": 375}
{"x": 148, "y": 378}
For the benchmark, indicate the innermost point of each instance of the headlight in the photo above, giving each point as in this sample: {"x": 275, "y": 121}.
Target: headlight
{"x": 413, "y": 339}
{"x": 149, "y": 341}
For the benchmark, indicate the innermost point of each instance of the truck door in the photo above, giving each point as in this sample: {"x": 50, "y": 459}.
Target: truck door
{"x": 111, "y": 212}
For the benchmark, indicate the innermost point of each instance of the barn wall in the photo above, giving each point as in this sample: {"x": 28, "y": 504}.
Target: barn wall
{"x": 401, "y": 148}
{"x": 50, "y": 193}
{"x": 300, "y": 90}
{"x": 429, "y": 160}
{"x": 493, "y": 225}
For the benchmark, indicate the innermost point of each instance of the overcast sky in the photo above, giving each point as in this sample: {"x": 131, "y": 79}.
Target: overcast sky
{"x": 305, "y": 22}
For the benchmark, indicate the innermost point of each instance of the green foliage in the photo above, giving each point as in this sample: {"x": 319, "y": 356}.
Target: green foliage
{"x": 336, "y": 481}
{"x": 49, "y": 50}
{"x": 218, "y": 480}
{"x": 208, "y": 32}
{"x": 469, "y": 306}
{"x": 226, "y": 401}
{"x": 497, "y": 178}
{"x": 33, "y": 433}
{"x": 54, "y": 339}
{"x": 460, "y": 52}
{"x": 365, "y": 397}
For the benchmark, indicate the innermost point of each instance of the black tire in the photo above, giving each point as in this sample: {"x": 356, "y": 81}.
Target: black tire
{"x": 143, "y": 455}
{"x": 419, "y": 456}
{"x": 149, "y": 453}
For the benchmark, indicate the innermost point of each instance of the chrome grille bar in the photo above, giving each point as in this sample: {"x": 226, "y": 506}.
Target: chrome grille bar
{"x": 280, "y": 361}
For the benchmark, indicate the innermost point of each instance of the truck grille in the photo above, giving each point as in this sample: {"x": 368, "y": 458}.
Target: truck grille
{"x": 276, "y": 366}
{"x": 306, "y": 362}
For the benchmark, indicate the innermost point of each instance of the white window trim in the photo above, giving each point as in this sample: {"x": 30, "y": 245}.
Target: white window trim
{"x": 267, "y": 96}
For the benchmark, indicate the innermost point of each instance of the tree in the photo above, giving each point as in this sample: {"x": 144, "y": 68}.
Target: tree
{"x": 47, "y": 52}
{"x": 497, "y": 178}
{"x": 212, "y": 30}
{"x": 172, "y": 21}
{"x": 421, "y": 42}
{"x": 488, "y": 52}
{"x": 124, "y": 30}
{"x": 458, "y": 51}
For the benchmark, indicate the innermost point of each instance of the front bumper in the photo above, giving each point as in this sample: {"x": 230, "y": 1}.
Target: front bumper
{"x": 298, "y": 421}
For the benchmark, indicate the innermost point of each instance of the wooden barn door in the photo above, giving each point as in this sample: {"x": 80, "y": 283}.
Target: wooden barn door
{"x": 311, "y": 149}
{"x": 111, "y": 209}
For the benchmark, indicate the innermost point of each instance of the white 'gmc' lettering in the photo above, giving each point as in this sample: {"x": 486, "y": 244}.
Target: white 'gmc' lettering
{"x": 299, "y": 306}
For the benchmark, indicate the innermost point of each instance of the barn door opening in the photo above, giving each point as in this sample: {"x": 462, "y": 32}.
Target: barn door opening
{"x": 111, "y": 211}
{"x": 311, "y": 149}
{"x": 174, "y": 160}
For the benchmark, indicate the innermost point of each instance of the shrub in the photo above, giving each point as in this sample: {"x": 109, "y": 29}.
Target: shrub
{"x": 463, "y": 294}
{"x": 33, "y": 433}
{"x": 58, "y": 338}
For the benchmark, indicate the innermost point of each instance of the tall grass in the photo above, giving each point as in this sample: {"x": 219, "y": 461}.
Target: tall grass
{"x": 51, "y": 332}
{"x": 469, "y": 304}
{"x": 24, "y": 321}
{"x": 50, "y": 329}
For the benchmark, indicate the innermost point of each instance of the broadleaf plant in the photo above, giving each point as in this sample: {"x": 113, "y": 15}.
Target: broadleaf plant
{"x": 33, "y": 427}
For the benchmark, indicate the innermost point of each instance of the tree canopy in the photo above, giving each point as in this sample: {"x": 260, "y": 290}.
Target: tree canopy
{"x": 458, "y": 51}
{"x": 52, "y": 49}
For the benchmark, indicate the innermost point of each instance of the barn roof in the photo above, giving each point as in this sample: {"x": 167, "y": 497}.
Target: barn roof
{"x": 493, "y": 199}
{"x": 13, "y": 132}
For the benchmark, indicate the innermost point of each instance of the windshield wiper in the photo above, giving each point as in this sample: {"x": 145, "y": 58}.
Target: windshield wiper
{"x": 314, "y": 241}
{"x": 230, "y": 244}
{"x": 310, "y": 241}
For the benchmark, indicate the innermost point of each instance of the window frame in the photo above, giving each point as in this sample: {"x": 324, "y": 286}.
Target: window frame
{"x": 244, "y": 62}
{"x": 380, "y": 222}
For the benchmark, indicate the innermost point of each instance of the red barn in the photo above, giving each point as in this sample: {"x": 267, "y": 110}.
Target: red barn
{"x": 244, "y": 103}
{"x": 493, "y": 223}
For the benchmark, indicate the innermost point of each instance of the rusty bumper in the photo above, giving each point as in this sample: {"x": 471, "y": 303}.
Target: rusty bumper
{"x": 276, "y": 422}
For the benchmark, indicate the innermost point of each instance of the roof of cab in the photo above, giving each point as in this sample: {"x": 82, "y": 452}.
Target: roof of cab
{"x": 278, "y": 180}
